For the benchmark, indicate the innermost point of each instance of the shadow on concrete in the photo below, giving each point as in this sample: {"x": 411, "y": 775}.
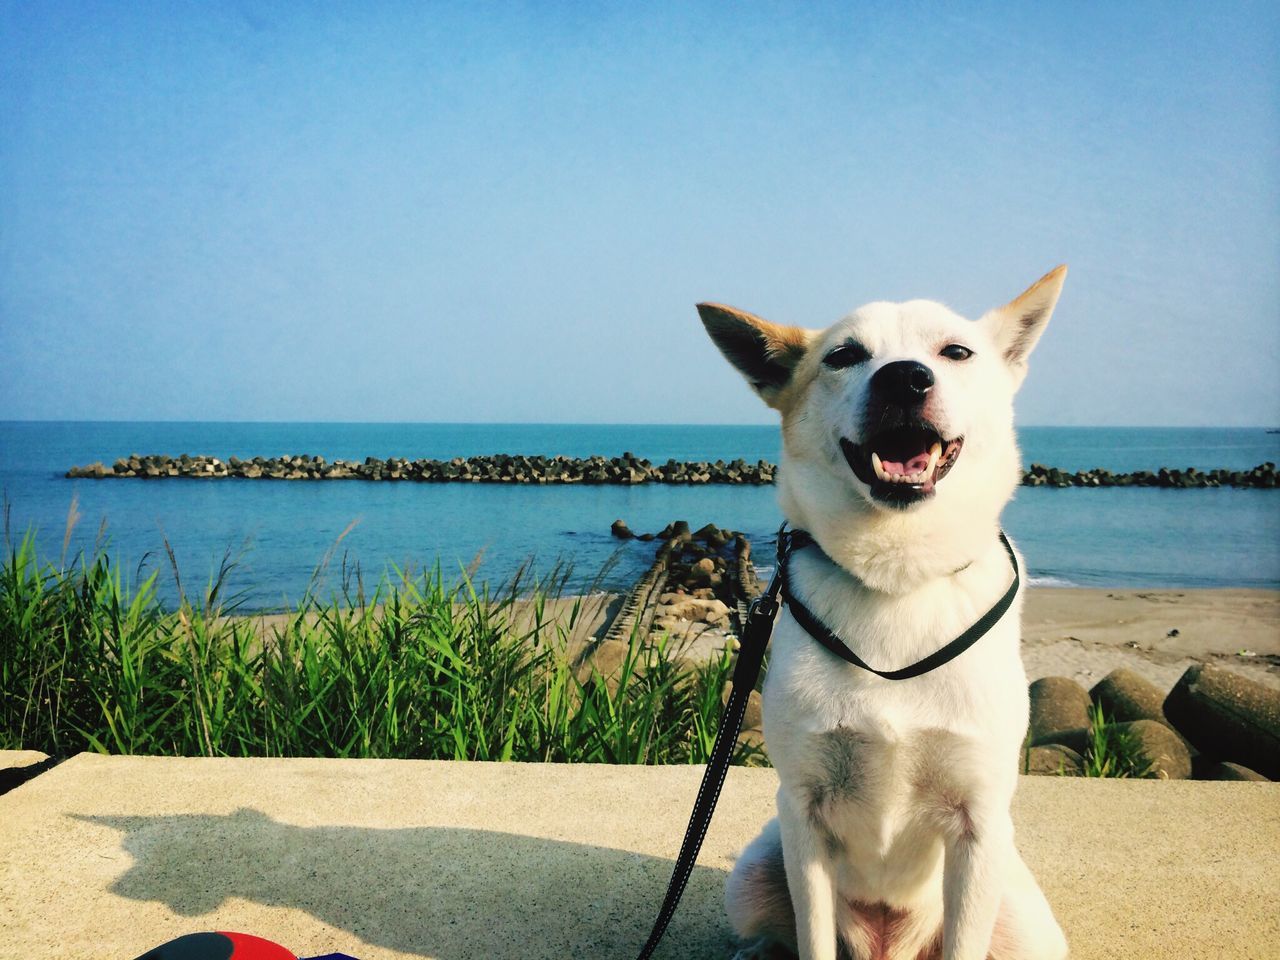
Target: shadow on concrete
{"x": 455, "y": 894}
{"x": 13, "y": 777}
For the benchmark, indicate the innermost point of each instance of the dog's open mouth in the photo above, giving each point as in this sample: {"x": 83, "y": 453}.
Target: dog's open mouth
{"x": 902, "y": 465}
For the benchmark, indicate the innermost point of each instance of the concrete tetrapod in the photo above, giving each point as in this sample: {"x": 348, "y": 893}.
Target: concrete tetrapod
{"x": 1228, "y": 717}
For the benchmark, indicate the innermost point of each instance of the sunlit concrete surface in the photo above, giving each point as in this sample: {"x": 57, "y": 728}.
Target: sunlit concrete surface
{"x": 105, "y": 857}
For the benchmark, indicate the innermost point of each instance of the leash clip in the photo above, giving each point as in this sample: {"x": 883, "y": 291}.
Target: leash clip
{"x": 762, "y": 607}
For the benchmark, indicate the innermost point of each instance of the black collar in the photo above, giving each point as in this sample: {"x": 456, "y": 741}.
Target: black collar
{"x": 792, "y": 540}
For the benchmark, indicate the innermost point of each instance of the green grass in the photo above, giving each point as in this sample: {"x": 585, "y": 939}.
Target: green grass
{"x": 1113, "y": 751}
{"x": 419, "y": 668}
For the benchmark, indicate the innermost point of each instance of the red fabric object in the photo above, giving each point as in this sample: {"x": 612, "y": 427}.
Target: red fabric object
{"x": 248, "y": 947}
{"x": 218, "y": 946}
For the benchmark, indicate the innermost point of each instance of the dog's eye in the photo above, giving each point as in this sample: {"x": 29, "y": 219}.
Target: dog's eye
{"x": 953, "y": 351}
{"x": 846, "y": 355}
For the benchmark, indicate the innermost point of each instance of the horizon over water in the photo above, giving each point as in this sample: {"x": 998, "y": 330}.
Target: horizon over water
{"x": 1110, "y": 537}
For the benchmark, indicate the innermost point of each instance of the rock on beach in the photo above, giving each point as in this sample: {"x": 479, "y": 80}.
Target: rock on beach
{"x": 1059, "y": 714}
{"x": 1228, "y": 717}
{"x": 1125, "y": 695}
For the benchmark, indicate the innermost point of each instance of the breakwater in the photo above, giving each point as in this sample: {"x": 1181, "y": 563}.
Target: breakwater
{"x": 626, "y": 469}
{"x": 498, "y": 468}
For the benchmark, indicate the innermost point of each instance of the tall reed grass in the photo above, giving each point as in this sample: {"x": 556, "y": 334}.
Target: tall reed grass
{"x": 418, "y": 668}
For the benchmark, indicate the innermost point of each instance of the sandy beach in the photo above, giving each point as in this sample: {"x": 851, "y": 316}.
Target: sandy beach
{"x": 1086, "y": 633}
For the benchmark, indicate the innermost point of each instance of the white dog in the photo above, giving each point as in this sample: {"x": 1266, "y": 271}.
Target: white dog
{"x": 893, "y": 839}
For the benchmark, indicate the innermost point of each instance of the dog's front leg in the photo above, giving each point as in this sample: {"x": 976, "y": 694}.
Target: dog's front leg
{"x": 972, "y": 883}
{"x": 810, "y": 881}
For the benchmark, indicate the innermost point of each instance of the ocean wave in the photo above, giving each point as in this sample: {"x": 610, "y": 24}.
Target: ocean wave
{"x": 1047, "y": 581}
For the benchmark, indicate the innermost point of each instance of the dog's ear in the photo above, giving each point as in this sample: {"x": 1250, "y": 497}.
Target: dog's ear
{"x": 1017, "y": 325}
{"x": 765, "y": 353}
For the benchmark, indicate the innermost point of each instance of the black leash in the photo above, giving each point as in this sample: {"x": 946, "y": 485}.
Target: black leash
{"x": 755, "y": 639}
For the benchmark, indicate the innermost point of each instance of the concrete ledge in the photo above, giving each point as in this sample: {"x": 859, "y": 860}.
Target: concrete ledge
{"x": 105, "y": 857}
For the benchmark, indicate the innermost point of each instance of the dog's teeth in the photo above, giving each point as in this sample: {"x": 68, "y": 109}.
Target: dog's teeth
{"x": 935, "y": 453}
{"x": 878, "y": 466}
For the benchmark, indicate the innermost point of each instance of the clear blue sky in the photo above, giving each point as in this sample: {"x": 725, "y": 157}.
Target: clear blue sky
{"x": 480, "y": 212}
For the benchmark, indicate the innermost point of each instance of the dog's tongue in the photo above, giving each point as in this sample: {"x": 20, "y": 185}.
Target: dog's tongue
{"x": 898, "y": 468}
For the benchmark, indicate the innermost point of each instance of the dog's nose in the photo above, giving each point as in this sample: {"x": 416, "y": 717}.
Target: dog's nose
{"x": 903, "y": 382}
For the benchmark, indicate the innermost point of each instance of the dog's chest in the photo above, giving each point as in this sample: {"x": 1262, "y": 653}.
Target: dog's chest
{"x": 880, "y": 764}
{"x": 886, "y": 764}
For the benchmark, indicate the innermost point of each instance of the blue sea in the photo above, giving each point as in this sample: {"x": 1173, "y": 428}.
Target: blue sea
{"x": 279, "y": 533}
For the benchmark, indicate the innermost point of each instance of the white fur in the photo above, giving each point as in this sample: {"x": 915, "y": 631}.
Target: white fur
{"x": 893, "y": 806}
